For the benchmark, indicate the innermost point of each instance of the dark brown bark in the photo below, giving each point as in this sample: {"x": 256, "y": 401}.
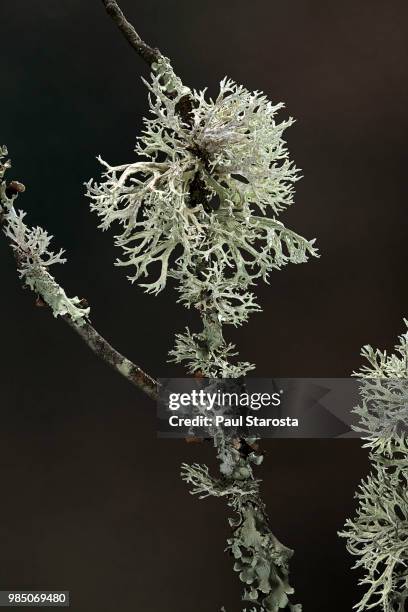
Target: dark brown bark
{"x": 149, "y": 54}
{"x": 112, "y": 357}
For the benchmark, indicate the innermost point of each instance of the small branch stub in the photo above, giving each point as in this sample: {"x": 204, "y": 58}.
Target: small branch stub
{"x": 149, "y": 54}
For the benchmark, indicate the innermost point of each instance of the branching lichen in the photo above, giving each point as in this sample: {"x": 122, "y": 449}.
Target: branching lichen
{"x": 200, "y": 206}
{"x": 378, "y": 535}
{"x": 32, "y": 253}
{"x": 260, "y": 560}
{"x": 197, "y": 208}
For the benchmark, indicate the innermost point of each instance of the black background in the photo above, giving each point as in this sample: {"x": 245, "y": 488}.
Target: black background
{"x": 91, "y": 500}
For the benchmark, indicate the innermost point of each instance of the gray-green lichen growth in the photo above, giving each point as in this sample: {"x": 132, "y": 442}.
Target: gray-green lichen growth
{"x": 33, "y": 257}
{"x": 261, "y": 561}
{"x": 378, "y": 535}
{"x": 200, "y": 206}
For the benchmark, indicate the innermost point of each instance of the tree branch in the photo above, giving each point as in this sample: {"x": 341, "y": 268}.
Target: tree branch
{"x": 80, "y": 323}
{"x": 149, "y": 54}
{"x": 33, "y": 257}
{"x": 111, "y": 356}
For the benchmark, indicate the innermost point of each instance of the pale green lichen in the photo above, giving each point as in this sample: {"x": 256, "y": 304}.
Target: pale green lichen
{"x": 125, "y": 367}
{"x": 260, "y": 560}
{"x": 33, "y": 256}
{"x": 378, "y": 534}
{"x": 197, "y": 207}
{"x": 200, "y": 206}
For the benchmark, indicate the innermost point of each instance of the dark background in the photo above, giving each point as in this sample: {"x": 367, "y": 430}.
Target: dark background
{"x": 91, "y": 500}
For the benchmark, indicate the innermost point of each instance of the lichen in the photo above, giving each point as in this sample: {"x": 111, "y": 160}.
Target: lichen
{"x": 378, "y": 535}
{"x": 261, "y": 561}
{"x": 33, "y": 256}
{"x": 200, "y": 206}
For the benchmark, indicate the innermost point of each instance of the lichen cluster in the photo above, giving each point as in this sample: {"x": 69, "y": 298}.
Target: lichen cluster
{"x": 378, "y": 535}
{"x": 261, "y": 561}
{"x": 199, "y": 206}
{"x": 32, "y": 253}
{"x": 202, "y": 206}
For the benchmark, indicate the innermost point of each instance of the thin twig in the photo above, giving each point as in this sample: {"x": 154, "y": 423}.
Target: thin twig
{"x": 102, "y": 349}
{"x": 149, "y": 54}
